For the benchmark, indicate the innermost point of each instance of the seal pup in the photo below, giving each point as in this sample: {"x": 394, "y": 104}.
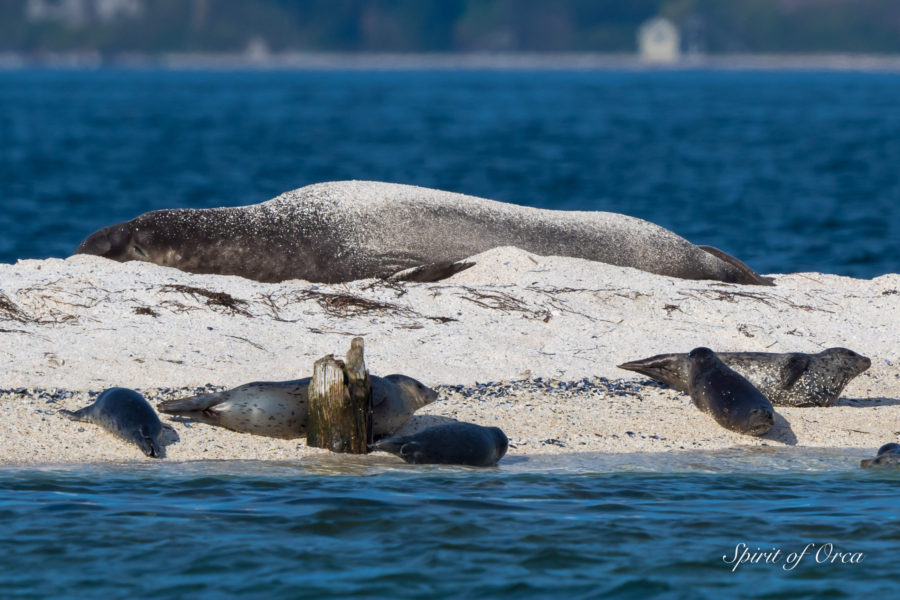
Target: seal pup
{"x": 449, "y": 444}
{"x": 723, "y": 393}
{"x": 280, "y": 408}
{"x": 789, "y": 379}
{"x": 887, "y": 456}
{"x": 347, "y": 230}
{"x": 126, "y": 414}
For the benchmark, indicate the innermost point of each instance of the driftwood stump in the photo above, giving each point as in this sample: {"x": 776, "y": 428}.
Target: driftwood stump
{"x": 340, "y": 403}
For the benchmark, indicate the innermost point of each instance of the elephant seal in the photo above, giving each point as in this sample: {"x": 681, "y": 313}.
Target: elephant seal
{"x": 348, "y": 230}
{"x": 790, "y": 379}
{"x": 280, "y": 408}
{"x": 449, "y": 444}
{"x": 126, "y": 414}
{"x": 887, "y": 456}
{"x": 723, "y": 393}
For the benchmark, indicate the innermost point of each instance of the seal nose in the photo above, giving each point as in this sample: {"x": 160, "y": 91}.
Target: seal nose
{"x": 760, "y": 420}
{"x": 97, "y": 243}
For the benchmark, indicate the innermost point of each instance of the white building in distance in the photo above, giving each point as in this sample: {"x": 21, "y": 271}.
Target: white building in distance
{"x": 76, "y": 13}
{"x": 659, "y": 41}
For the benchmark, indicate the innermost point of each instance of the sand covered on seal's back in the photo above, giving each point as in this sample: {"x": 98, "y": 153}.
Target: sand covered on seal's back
{"x": 524, "y": 342}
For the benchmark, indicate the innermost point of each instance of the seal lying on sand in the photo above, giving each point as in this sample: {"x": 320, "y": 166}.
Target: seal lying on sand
{"x": 887, "y": 456}
{"x": 280, "y": 408}
{"x": 347, "y": 230}
{"x": 449, "y": 444}
{"x": 731, "y": 400}
{"x": 791, "y": 379}
{"x": 124, "y": 413}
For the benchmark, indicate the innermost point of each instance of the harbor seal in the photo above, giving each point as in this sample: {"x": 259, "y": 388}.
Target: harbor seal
{"x": 789, "y": 379}
{"x": 449, "y": 444}
{"x": 723, "y": 393}
{"x": 280, "y": 408}
{"x": 126, "y": 414}
{"x": 887, "y": 456}
{"x": 347, "y": 230}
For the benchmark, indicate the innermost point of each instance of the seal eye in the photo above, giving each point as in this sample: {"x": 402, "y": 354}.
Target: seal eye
{"x": 138, "y": 251}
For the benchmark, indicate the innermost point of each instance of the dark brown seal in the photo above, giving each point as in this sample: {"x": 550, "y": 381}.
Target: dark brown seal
{"x": 788, "y": 379}
{"x": 126, "y": 414}
{"x": 449, "y": 444}
{"x": 887, "y": 456}
{"x": 342, "y": 231}
{"x": 723, "y": 393}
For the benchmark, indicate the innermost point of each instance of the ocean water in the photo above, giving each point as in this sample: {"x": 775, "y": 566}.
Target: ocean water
{"x": 788, "y": 171}
{"x": 582, "y": 527}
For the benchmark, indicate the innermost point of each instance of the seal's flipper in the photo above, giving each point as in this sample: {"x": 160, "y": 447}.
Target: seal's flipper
{"x": 192, "y": 404}
{"x": 412, "y": 452}
{"x": 748, "y": 275}
{"x": 796, "y": 366}
{"x": 670, "y": 369}
{"x": 430, "y": 272}
{"x": 394, "y": 445}
{"x": 78, "y": 415}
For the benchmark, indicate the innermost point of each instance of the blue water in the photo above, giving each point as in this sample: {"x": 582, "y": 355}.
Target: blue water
{"x": 326, "y": 530}
{"x": 787, "y": 171}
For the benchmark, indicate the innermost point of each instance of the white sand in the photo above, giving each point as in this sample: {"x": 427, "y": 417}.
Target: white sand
{"x": 87, "y": 323}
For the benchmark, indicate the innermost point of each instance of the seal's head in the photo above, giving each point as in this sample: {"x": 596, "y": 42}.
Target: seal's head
{"x": 421, "y": 393}
{"x": 848, "y": 360}
{"x": 118, "y": 242}
{"x": 887, "y": 456}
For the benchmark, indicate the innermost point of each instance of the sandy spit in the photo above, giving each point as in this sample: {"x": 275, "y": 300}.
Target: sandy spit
{"x": 525, "y": 342}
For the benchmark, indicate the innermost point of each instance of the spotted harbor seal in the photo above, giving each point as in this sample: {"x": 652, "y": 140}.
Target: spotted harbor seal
{"x": 887, "y": 456}
{"x": 280, "y": 408}
{"x": 790, "y": 379}
{"x": 723, "y": 393}
{"x": 126, "y": 414}
{"x": 348, "y": 230}
{"x": 449, "y": 444}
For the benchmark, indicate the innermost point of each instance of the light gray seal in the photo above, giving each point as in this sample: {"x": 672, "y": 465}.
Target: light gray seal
{"x": 449, "y": 444}
{"x": 280, "y": 408}
{"x": 348, "y": 230}
{"x": 126, "y": 414}
{"x": 887, "y": 456}
{"x": 789, "y": 379}
{"x": 723, "y": 393}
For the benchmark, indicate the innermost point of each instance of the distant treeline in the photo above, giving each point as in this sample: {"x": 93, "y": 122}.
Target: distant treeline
{"x": 157, "y": 26}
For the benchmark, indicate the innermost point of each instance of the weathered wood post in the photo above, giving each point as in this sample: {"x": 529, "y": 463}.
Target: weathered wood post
{"x": 340, "y": 403}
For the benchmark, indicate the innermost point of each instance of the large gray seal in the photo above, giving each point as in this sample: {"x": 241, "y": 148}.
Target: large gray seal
{"x": 723, "y": 393}
{"x": 887, "y": 456}
{"x": 348, "y": 230}
{"x": 280, "y": 408}
{"x": 788, "y": 379}
{"x": 449, "y": 444}
{"x": 126, "y": 414}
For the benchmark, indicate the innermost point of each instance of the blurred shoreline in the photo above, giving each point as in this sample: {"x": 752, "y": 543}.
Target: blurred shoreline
{"x": 450, "y": 62}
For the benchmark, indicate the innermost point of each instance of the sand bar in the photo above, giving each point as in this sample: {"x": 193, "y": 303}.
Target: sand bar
{"x": 525, "y": 342}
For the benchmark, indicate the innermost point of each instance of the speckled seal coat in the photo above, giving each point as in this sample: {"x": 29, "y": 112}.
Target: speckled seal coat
{"x": 348, "y": 230}
{"x": 449, "y": 444}
{"x": 126, "y": 414}
{"x": 280, "y": 408}
{"x": 723, "y": 393}
{"x": 788, "y": 379}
